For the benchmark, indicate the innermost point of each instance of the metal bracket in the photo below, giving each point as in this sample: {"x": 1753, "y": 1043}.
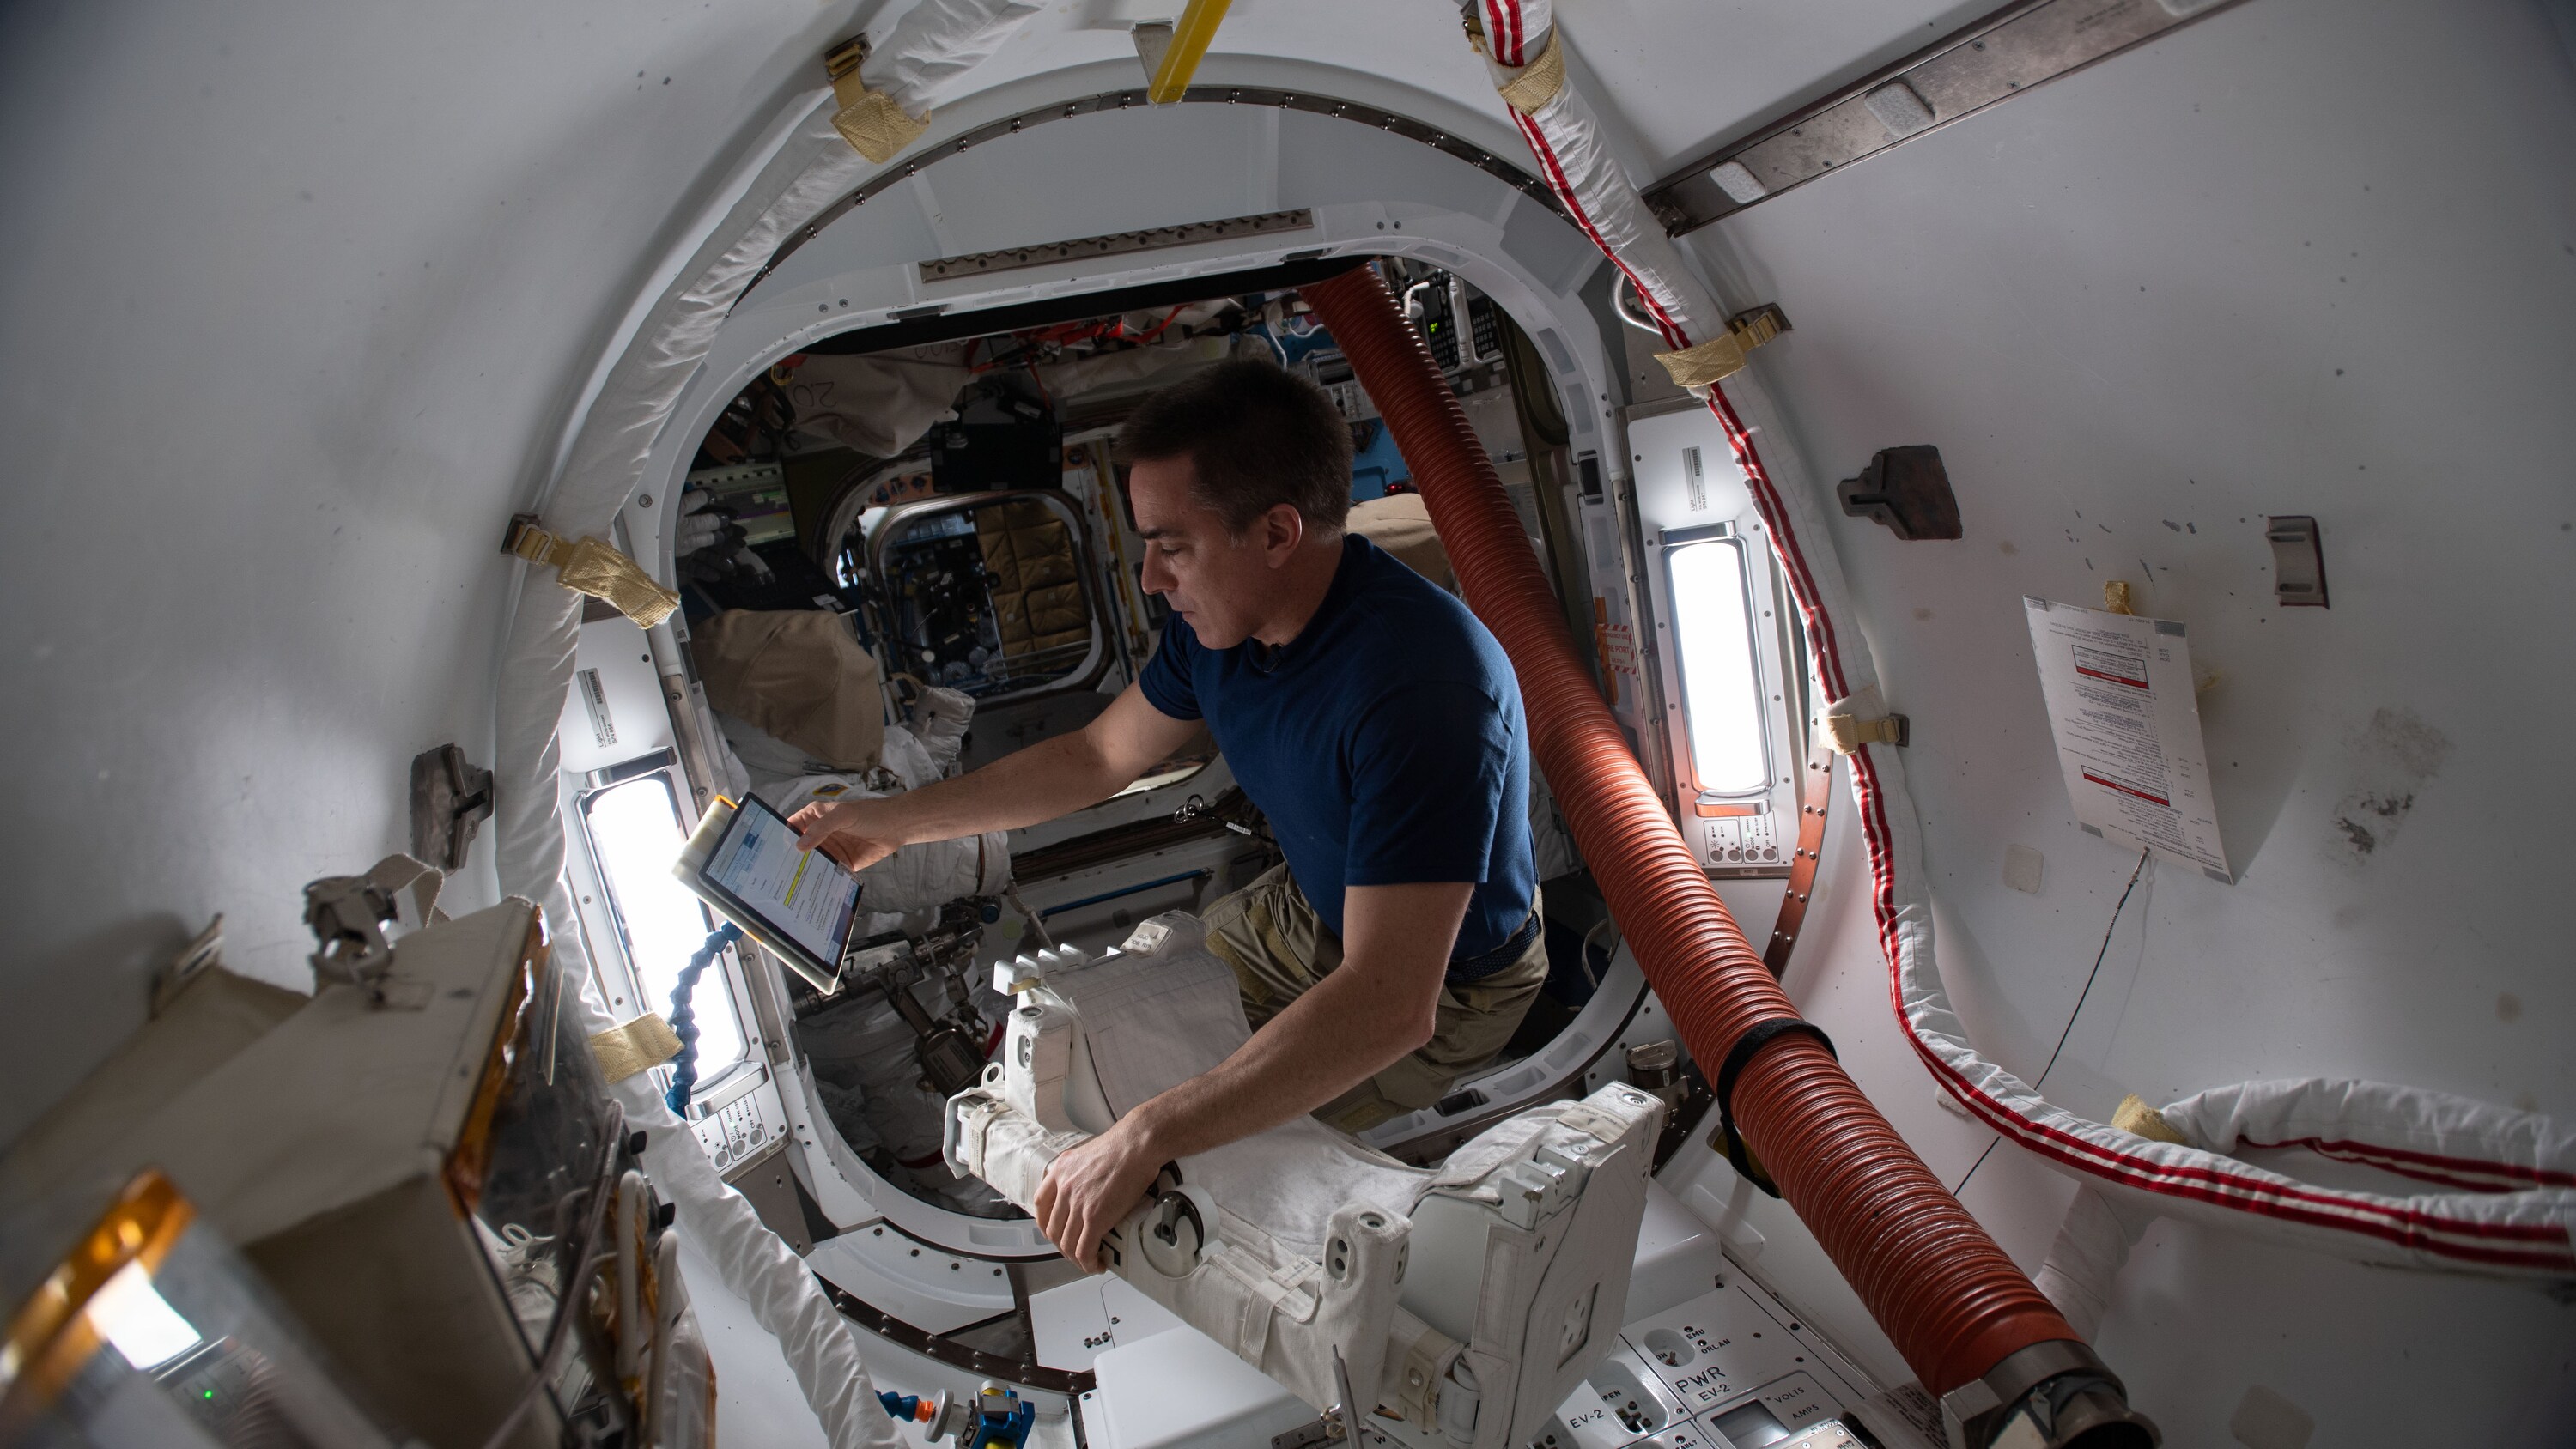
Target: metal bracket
{"x": 526, "y": 537}
{"x": 450, "y": 798}
{"x": 845, "y": 56}
{"x": 2009, "y": 52}
{"x": 1358, "y": 113}
{"x": 347, "y": 914}
{"x": 1153, "y": 40}
{"x": 1908, "y": 490}
{"x": 1152, "y": 238}
{"x": 2298, "y": 560}
{"x": 1715, "y": 360}
{"x": 207, "y": 950}
{"x": 1336, "y": 1425}
{"x": 2054, "y": 1394}
{"x": 1307, "y": 1435}
{"x": 1756, "y": 325}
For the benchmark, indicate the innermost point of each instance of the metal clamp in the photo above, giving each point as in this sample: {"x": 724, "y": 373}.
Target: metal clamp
{"x": 450, "y": 797}
{"x": 2298, "y": 559}
{"x": 1176, "y": 1231}
{"x": 2063, "y": 1391}
{"x": 1907, "y": 489}
{"x": 347, "y": 914}
{"x": 1340, "y": 1424}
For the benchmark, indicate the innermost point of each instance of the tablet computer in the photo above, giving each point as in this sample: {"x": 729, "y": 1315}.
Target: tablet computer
{"x": 742, "y": 860}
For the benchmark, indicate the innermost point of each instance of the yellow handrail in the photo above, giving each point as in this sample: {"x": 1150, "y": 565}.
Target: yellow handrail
{"x": 1190, "y": 37}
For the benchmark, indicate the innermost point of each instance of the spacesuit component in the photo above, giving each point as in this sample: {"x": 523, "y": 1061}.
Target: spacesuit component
{"x": 1468, "y": 1300}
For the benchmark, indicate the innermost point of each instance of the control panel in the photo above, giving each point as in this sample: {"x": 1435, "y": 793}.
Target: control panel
{"x": 1743, "y": 840}
{"x": 1732, "y": 1369}
{"x": 741, "y": 1120}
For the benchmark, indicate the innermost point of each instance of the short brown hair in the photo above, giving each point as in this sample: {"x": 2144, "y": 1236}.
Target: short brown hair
{"x": 1257, "y": 436}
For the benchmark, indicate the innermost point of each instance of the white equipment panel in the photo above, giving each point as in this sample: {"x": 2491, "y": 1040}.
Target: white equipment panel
{"x": 615, "y": 711}
{"x": 1731, "y": 1369}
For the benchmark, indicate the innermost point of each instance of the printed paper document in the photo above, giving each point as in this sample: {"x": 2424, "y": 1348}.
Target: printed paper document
{"x": 2127, "y": 724}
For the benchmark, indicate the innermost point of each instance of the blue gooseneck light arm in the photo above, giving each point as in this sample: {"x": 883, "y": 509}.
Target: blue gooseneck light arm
{"x": 684, "y": 1017}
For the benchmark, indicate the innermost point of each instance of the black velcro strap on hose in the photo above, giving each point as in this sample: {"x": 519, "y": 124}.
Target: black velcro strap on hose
{"x": 1755, "y": 1037}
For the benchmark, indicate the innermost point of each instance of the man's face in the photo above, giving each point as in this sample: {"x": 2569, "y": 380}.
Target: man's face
{"x": 1222, "y": 584}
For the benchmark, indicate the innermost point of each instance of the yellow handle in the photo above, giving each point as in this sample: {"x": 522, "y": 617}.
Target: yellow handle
{"x": 1190, "y": 37}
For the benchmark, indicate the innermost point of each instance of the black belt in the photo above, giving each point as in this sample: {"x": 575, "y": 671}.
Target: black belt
{"x": 1727, "y": 1138}
{"x": 1477, "y": 968}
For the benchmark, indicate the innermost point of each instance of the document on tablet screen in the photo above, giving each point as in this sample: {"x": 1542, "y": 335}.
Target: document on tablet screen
{"x": 800, "y": 892}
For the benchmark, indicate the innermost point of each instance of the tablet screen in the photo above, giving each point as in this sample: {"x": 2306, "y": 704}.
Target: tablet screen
{"x": 801, "y": 894}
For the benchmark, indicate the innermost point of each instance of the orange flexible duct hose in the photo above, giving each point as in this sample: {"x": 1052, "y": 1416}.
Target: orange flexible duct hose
{"x": 1954, "y": 1305}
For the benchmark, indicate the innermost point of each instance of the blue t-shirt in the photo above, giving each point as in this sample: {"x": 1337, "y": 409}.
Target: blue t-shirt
{"x": 1385, "y": 742}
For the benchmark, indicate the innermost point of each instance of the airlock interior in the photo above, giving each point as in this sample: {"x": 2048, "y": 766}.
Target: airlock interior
{"x": 917, "y": 448}
{"x": 954, "y": 501}
{"x": 944, "y": 491}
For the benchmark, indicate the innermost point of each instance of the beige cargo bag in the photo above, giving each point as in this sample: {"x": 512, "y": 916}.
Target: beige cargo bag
{"x": 801, "y": 676}
{"x": 1035, "y": 573}
{"x": 1401, "y": 524}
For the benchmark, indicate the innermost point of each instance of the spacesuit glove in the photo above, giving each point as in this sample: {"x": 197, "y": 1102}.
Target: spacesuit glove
{"x": 701, "y": 521}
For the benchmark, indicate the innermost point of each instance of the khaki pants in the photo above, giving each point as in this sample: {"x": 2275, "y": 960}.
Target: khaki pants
{"x": 1269, "y": 933}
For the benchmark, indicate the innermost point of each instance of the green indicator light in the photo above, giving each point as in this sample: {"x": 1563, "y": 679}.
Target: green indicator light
{"x": 210, "y": 1393}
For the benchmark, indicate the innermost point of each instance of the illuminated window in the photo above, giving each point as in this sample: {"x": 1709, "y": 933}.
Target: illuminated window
{"x": 635, "y": 834}
{"x": 129, "y": 1312}
{"x": 1712, "y": 625}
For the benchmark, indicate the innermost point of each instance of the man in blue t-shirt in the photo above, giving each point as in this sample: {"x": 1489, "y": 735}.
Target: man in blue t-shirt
{"x": 1372, "y": 719}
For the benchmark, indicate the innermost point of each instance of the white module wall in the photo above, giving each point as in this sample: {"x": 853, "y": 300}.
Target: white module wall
{"x": 2137, "y": 310}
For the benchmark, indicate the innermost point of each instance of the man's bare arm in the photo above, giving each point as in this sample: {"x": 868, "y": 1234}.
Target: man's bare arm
{"x": 1381, "y": 1003}
{"x": 1049, "y": 779}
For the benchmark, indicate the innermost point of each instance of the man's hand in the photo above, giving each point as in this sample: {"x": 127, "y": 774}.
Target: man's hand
{"x": 1381, "y": 1002}
{"x": 1051, "y": 778}
{"x": 1089, "y": 1189}
{"x": 857, "y": 833}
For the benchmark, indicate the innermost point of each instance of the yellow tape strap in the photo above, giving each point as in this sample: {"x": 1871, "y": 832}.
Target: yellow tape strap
{"x": 2138, "y": 1119}
{"x": 647, "y": 1041}
{"x": 871, "y": 122}
{"x": 1848, "y": 732}
{"x": 603, "y": 573}
{"x": 1707, "y": 364}
{"x": 588, "y": 566}
{"x": 1722, "y": 357}
{"x": 1540, "y": 80}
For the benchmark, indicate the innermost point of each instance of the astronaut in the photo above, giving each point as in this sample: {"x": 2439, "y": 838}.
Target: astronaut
{"x": 1375, "y": 723}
